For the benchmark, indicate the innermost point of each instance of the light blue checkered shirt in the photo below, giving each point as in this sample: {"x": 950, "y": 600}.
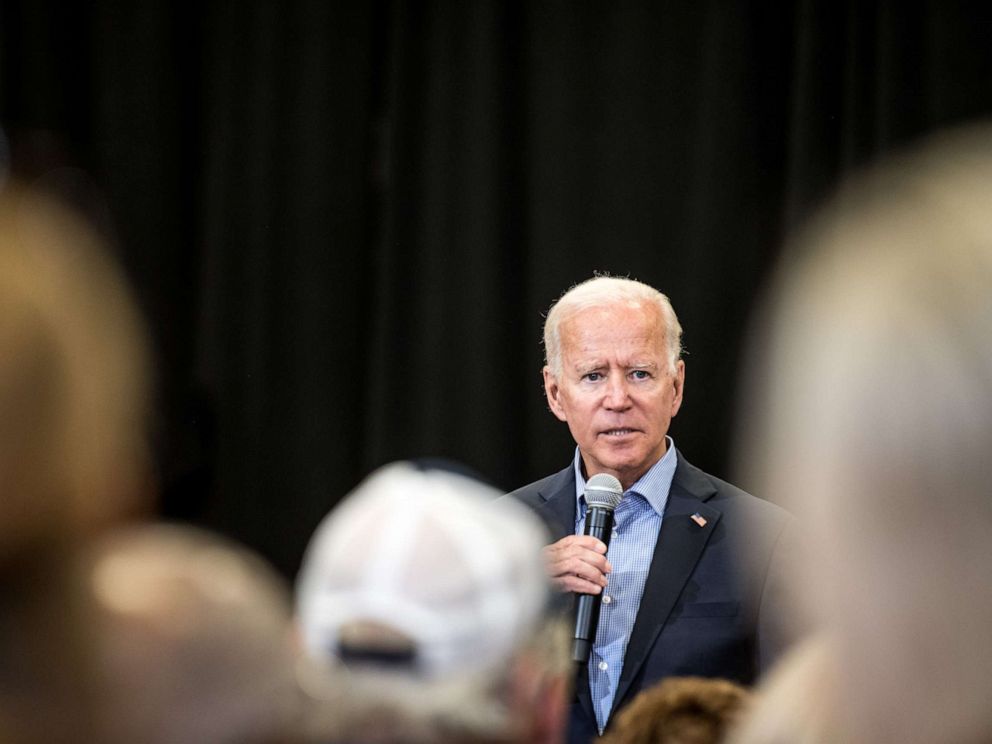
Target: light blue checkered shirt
{"x": 637, "y": 521}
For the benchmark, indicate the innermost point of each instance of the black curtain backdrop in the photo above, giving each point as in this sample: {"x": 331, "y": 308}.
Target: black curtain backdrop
{"x": 345, "y": 220}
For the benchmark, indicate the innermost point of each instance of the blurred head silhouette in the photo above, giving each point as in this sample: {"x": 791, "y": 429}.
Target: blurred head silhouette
{"x": 73, "y": 454}
{"x": 192, "y": 640}
{"x": 680, "y": 710}
{"x": 797, "y": 703}
{"x": 872, "y": 421}
{"x": 74, "y": 377}
{"x": 427, "y": 605}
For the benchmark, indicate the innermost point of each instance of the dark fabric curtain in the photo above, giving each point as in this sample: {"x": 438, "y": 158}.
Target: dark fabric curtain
{"x": 345, "y": 220}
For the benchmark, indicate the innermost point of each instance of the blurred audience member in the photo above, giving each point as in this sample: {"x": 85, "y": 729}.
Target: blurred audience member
{"x": 74, "y": 377}
{"x": 193, "y": 640}
{"x": 873, "y": 422}
{"x": 427, "y": 608}
{"x": 680, "y": 710}
{"x": 797, "y": 703}
{"x": 73, "y": 457}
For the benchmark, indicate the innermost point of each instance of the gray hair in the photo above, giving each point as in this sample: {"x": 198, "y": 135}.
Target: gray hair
{"x": 796, "y": 702}
{"x": 193, "y": 639}
{"x": 369, "y": 705}
{"x": 873, "y": 422}
{"x": 609, "y": 291}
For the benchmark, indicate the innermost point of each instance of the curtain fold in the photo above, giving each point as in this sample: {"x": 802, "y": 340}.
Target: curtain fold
{"x": 345, "y": 221}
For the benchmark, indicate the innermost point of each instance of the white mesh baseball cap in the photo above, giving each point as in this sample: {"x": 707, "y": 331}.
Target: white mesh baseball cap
{"x": 433, "y": 557}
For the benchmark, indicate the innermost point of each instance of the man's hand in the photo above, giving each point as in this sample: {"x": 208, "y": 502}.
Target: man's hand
{"x": 577, "y": 563}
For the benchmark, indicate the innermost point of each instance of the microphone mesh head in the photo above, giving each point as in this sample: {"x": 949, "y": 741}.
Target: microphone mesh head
{"x": 603, "y": 491}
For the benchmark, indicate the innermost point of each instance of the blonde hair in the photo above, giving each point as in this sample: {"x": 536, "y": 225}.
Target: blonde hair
{"x": 74, "y": 375}
{"x": 73, "y": 455}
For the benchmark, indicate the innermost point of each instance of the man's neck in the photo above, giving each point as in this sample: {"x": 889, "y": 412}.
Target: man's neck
{"x": 627, "y": 478}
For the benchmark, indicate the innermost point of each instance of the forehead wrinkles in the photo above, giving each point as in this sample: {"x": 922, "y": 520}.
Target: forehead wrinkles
{"x": 606, "y": 331}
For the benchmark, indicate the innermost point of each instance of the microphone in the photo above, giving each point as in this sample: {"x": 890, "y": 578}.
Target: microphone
{"x": 603, "y": 493}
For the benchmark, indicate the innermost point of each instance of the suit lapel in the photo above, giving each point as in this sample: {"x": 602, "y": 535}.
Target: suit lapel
{"x": 558, "y": 512}
{"x": 558, "y": 506}
{"x": 680, "y": 543}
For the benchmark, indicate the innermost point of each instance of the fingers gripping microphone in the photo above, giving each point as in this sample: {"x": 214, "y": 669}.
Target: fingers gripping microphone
{"x": 603, "y": 493}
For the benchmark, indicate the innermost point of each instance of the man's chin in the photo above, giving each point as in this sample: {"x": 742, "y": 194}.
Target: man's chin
{"x": 623, "y": 453}
{"x": 625, "y": 462}
{"x": 622, "y": 467}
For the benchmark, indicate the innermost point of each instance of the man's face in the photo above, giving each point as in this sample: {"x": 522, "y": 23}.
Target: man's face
{"x": 615, "y": 391}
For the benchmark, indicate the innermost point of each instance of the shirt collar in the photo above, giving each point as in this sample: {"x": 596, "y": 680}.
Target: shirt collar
{"x": 654, "y": 485}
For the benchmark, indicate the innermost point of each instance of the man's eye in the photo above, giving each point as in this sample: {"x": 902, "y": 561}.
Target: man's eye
{"x": 640, "y": 374}
{"x": 592, "y": 376}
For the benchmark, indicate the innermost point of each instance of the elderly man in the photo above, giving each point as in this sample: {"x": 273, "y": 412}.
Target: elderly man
{"x": 692, "y": 582}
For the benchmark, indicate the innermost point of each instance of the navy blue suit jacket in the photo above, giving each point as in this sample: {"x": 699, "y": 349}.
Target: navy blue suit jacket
{"x": 715, "y": 602}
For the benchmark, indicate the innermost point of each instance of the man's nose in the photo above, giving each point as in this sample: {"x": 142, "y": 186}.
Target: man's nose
{"x": 617, "y": 393}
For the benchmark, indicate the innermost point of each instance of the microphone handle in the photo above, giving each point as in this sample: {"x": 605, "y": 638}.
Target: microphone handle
{"x": 599, "y": 524}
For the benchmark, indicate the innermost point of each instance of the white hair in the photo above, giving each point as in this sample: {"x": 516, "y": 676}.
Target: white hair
{"x": 609, "y": 291}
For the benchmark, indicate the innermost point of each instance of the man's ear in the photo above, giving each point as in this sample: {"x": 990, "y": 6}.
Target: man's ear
{"x": 553, "y": 393}
{"x": 678, "y": 381}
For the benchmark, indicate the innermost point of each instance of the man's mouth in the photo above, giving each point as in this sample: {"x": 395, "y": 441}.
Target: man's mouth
{"x": 618, "y": 432}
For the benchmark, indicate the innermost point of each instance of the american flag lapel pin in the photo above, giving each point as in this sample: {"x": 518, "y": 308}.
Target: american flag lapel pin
{"x": 698, "y": 519}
